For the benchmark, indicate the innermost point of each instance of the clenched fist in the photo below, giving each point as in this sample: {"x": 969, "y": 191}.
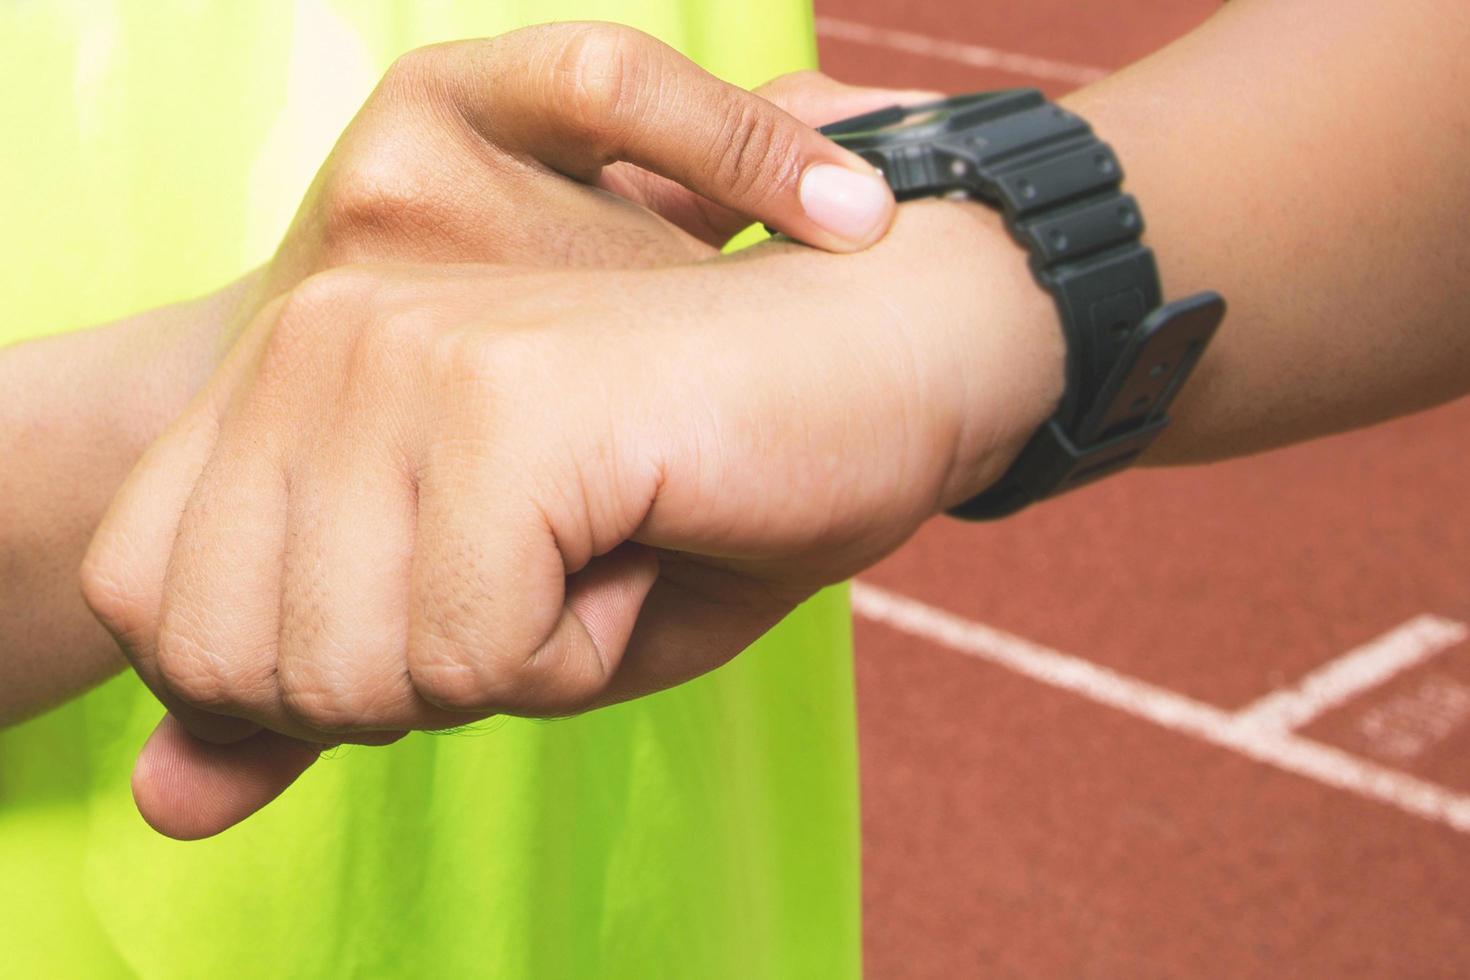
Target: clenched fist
{"x": 416, "y": 496}
{"x": 584, "y": 145}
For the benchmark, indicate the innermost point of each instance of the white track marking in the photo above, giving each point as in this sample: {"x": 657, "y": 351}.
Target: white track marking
{"x": 1410, "y": 724}
{"x": 1338, "y": 682}
{"x": 1175, "y": 712}
{"x": 974, "y": 55}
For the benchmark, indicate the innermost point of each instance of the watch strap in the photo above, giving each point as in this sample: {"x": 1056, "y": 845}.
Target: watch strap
{"x": 1059, "y": 189}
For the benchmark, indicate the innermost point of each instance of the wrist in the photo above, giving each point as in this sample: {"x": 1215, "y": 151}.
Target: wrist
{"x": 76, "y": 411}
{"x": 984, "y": 357}
{"x": 167, "y": 355}
{"x": 994, "y": 334}
{"x": 81, "y": 407}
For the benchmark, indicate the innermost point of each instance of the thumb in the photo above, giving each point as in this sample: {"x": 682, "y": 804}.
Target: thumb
{"x": 808, "y": 96}
{"x": 187, "y": 788}
{"x": 613, "y": 94}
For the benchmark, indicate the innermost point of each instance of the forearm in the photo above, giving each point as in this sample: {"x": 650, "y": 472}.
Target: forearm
{"x": 76, "y": 412}
{"x": 1307, "y": 159}
{"x": 1327, "y": 207}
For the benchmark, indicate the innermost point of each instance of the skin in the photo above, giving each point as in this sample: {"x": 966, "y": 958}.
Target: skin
{"x": 622, "y": 537}
{"x": 426, "y": 172}
{"x": 654, "y": 507}
{"x": 1332, "y": 138}
{"x": 76, "y": 412}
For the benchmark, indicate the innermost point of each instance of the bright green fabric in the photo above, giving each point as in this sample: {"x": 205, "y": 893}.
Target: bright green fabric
{"x": 154, "y": 149}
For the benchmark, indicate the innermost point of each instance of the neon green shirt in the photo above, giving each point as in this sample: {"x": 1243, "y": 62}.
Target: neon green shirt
{"x": 155, "y": 149}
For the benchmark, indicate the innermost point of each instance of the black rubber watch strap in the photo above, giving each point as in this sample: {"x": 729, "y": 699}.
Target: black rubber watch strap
{"x": 1126, "y": 417}
{"x": 1059, "y": 188}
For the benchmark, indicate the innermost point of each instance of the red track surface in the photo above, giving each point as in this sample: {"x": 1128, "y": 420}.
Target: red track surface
{"x": 1013, "y": 828}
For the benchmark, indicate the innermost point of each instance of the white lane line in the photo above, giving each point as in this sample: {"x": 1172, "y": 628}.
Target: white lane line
{"x": 1175, "y": 712}
{"x": 974, "y": 55}
{"x": 1338, "y": 682}
{"x": 1408, "y": 725}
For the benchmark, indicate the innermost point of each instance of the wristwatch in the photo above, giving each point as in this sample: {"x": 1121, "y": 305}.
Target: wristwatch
{"x": 1059, "y": 189}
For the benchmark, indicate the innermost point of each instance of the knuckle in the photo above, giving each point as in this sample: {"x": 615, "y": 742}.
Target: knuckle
{"x": 460, "y": 676}
{"x": 105, "y": 589}
{"x": 413, "y": 69}
{"x": 188, "y": 670}
{"x": 757, "y": 153}
{"x": 454, "y": 675}
{"x": 322, "y": 705}
{"x": 478, "y": 359}
{"x": 424, "y": 80}
{"x": 379, "y": 190}
{"x": 325, "y": 681}
{"x": 316, "y": 308}
{"x": 325, "y": 296}
{"x": 457, "y": 357}
{"x": 598, "y": 75}
{"x": 453, "y": 686}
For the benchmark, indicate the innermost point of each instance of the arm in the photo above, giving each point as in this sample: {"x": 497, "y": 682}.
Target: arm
{"x": 1308, "y": 160}
{"x": 76, "y": 412}
{"x": 456, "y": 137}
{"x": 764, "y": 425}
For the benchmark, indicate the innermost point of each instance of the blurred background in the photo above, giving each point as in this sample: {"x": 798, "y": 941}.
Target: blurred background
{"x": 1204, "y": 723}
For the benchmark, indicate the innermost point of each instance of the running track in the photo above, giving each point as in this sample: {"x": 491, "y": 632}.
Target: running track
{"x": 1185, "y": 724}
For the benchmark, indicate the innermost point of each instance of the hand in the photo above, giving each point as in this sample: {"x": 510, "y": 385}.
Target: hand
{"x": 464, "y": 150}
{"x": 575, "y": 145}
{"x": 460, "y": 136}
{"x": 414, "y": 497}
{"x": 441, "y": 164}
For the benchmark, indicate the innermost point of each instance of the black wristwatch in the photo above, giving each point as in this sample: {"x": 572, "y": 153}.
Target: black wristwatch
{"x": 1058, "y": 186}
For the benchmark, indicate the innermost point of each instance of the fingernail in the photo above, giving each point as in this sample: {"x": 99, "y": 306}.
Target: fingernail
{"x": 845, "y": 203}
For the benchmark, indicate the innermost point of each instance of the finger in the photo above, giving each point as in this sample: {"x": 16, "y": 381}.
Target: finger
{"x": 579, "y": 97}
{"x": 343, "y": 663}
{"x": 401, "y": 189}
{"x": 495, "y": 624}
{"x": 604, "y": 602}
{"x": 810, "y": 96}
{"x": 187, "y": 788}
{"x": 220, "y": 613}
{"x": 602, "y": 608}
{"x": 696, "y": 618}
{"x": 127, "y": 561}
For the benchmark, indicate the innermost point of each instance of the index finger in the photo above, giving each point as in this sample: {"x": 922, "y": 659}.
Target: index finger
{"x": 578, "y": 97}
